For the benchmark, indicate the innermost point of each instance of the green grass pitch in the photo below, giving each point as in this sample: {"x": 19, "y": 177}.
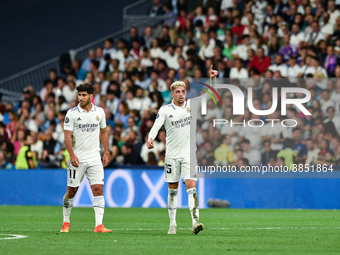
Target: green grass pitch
{"x": 144, "y": 231}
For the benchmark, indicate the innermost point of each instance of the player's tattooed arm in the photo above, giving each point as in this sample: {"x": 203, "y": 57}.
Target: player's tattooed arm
{"x": 68, "y": 143}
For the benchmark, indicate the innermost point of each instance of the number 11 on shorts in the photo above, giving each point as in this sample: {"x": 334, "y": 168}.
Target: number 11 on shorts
{"x": 74, "y": 173}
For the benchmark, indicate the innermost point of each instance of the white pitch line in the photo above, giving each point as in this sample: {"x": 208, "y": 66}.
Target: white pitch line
{"x": 267, "y": 228}
{"x": 12, "y": 236}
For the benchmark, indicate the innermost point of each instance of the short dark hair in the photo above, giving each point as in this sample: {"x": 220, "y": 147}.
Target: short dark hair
{"x": 246, "y": 141}
{"x": 86, "y": 87}
{"x": 95, "y": 63}
{"x": 110, "y": 40}
{"x": 266, "y": 141}
{"x": 296, "y": 129}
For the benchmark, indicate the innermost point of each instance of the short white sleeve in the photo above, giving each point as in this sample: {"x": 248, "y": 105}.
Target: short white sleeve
{"x": 68, "y": 123}
{"x": 102, "y": 123}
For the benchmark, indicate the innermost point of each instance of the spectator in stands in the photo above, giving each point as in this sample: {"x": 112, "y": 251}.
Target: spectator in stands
{"x": 12, "y": 124}
{"x": 145, "y": 151}
{"x": 161, "y": 161}
{"x": 48, "y": 88}
{"x": 330, "y": 61}
{"x": 315, "y": 36}
{"x": 50, "y": 117}
{"x": 108, "y": 48}
{"x": 86, "y": 63}
{"x": 299, "y": 147}
{"x": 76, "y": 68}
{"x": 333, "y": 12}
{"x": 253, "y": 156}
{"x": 69, "y": 91}
{"x": 268, "y": 153}
{"x": 156, "y": 8}
{"x": 27, "y": 121}
{"x": 50, "y": 148}
{"x": 206, "y": 50}
{"x": 260, "y": 62}
{"x": 293, "y": 69}
{"x": 53, "y": 77}
{"x": 326, "y": 102}
{"x": 330, "y": 113}
{"x": 3, "y": 163}
{"x": 241, "y": 49}
{"x": 137, "y": 50}
{"x": 229, "y": 47}
{"x": 148, "y": 36}
{"x": 131, "y": 127}
{"x": 122, "y": 115}
{"x": 134, "y": 36}
{"x": 37, "y": 145}
{"x": 26, "y": 158}
{"x": 279, "y": 66}
{"x": 168, "y": 12}
{"x": 287, "y": 51}
{"x": 288, "y": 153}
{"x": 223, "y": 70}
{"x": 313, "y": 151}
{"x": 223, "y": 153}
{"x": 4, "y": 132}
{"x": 129, "y": 157}
{"x": 112, "y": 101}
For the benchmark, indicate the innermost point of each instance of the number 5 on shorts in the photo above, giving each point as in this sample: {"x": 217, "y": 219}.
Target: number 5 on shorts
{"x": 168, "y": 168}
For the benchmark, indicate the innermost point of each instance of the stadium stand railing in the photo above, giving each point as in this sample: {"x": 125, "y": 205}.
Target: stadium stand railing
{"x": 134, "y": 15}
{"x": 12, "y": 87}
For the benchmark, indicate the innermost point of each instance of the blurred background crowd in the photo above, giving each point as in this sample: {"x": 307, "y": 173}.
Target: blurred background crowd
{"x": 259, "y": 44}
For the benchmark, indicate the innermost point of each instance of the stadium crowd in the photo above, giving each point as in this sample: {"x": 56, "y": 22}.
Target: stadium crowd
{"x": 260, "y": 44}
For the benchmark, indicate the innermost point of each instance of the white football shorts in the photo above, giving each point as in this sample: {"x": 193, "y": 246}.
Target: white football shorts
{"x": 94, "y": 173}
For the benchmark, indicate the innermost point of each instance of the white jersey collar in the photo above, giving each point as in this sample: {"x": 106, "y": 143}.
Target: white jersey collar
{"x": 82, "y": 110}
{"x": 175, "y": 106}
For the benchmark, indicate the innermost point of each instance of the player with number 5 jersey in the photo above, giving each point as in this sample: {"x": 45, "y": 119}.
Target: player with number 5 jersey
{"x": 178, "y": 122}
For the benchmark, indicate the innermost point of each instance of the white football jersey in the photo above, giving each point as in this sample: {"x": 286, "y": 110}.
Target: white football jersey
{"x": 85, "y": 127}
{"x": 177, "y": 120}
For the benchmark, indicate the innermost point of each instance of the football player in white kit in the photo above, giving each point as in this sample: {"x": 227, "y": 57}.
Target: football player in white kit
{"x": 176, "y": 118}
{"x": 84, "y": 127}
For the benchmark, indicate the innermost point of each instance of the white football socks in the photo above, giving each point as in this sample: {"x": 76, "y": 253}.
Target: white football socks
{"x": 172, "y": 205}
{"x": 193, "y": 205}
{"x": 67, "y": 207}
{"x": 98, "y": 206}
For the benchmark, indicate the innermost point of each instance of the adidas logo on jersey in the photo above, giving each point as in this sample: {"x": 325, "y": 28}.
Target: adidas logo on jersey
{"x": 171, "y": 116}
{"x": 78, "y": 119}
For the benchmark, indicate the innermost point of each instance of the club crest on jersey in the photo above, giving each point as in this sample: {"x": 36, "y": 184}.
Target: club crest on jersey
{"x": 188, "y": 109}
{"x": 67, "y": 120}
{"x": 97, "y": 118}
